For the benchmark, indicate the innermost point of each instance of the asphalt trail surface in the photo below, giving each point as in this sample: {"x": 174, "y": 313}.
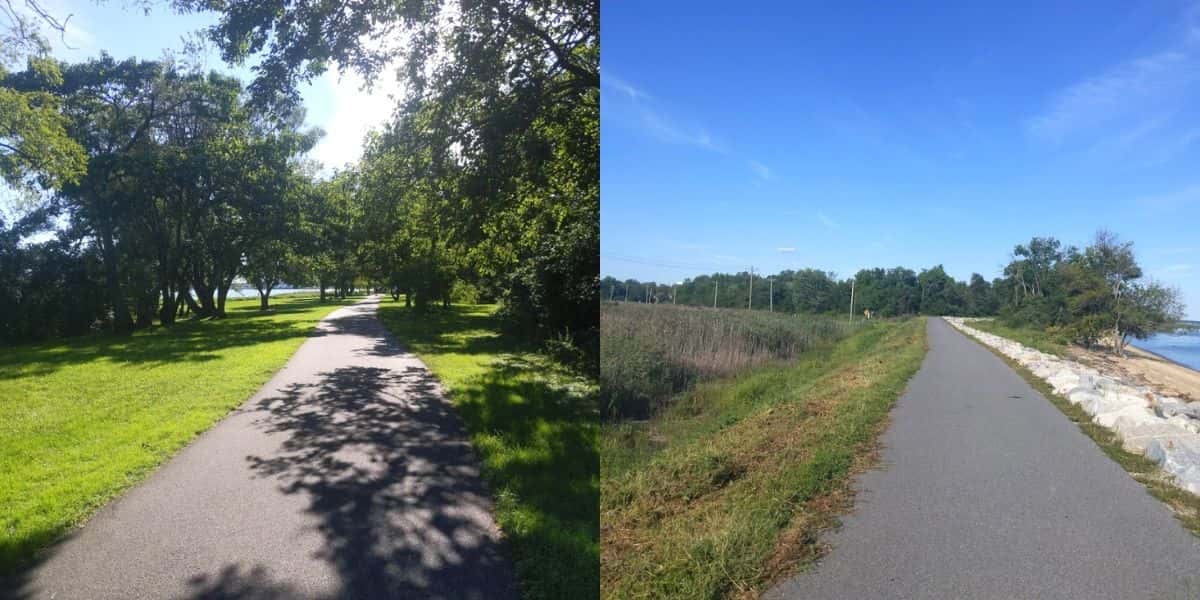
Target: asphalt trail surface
{"x": 346, "y": 476}
{"x": 985, "y": 490}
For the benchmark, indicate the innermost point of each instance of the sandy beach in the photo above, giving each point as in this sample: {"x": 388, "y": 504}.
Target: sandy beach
{"x": 1144, "y": 368}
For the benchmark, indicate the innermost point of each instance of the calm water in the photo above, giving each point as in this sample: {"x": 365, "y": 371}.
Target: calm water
{"x": 250, "y": 292}
{"x": 1182, "y": 347}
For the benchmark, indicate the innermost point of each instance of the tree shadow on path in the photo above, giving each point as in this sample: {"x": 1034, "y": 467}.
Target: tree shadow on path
{"x": 393, "y": 481}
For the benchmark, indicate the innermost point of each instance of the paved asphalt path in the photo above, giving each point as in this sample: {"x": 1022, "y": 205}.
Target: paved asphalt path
{"x": 346, "y": 476}
{"x": 987, "y": 491}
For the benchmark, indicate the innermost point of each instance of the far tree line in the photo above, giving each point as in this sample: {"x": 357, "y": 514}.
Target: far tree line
{"x": 1084, "y": 295}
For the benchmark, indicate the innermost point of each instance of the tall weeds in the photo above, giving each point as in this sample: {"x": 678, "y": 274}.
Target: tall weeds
{"x": 651, "y": 352}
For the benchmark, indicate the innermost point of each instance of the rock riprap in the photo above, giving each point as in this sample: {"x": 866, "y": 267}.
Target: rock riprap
{"x": 1162, "y": 428}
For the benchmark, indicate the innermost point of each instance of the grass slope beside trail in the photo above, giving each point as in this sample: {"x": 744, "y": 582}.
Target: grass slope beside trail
{"x": 727, "y": 489}
{"x": 534, "y": 424}
{"x": 1038, "y": 339}
{"x": 86, "y": 418}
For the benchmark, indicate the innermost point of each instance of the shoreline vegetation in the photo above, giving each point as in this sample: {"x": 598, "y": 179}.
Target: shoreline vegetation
{"x": 87, "y": 418}
{"x": 727, "y": 487}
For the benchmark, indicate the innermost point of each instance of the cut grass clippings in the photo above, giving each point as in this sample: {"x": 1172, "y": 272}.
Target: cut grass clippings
{"x": 535, "y": 424}
{"x": 86, "y": 418}
{"x": 727, "y": 489}
{"x": 1183, "y": 503}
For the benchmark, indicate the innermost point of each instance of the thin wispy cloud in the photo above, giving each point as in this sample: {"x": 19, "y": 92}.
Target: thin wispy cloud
{"x": 1134, "y": 111}
{"x": 759, "y": 168}
{"x": 624, "y": 87}
{"x": 659, "y": 123}
{"x": 786, "y": 250}
{"x": 1173, "y": 199}
{"x": 1123, "y": 90}
{"x": 828, "y": 222}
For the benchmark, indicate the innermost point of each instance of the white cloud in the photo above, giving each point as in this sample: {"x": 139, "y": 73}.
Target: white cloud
{"x": 1123, "y": 91}
{"x": 787, "y": 250}
{"x": 759, "y": 168}
{"x": 623, "y": 86}
{"x": 828, "y": 222}
{"x": 1174, "y": 199}
{"x": 352, "y": 113}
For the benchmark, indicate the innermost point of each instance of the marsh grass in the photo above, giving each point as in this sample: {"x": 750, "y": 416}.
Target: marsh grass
{"x": 649, "y": 352}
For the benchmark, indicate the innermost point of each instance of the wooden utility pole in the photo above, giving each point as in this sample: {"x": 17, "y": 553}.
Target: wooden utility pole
{"x": 750, "y": 303}
{"x": 672, "y": 295}
{"x": 716, "y": 286}
{"x": 612, "y": 289}
{"x": 851, "y": 300}
{"x": 771, "y": 294}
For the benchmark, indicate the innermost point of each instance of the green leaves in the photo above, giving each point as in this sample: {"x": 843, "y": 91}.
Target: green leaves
{"x": 33, "y": 131}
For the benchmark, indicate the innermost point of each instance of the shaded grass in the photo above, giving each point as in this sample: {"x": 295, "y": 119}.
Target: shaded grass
{"x": 1183, "y": 503}
{"x": 1038, "y": 339}
{"x": 86, "y": 418}
{"x": 650, "y": 352}
{"x": 727, "y": 488}
{"x": 534, "y": 423}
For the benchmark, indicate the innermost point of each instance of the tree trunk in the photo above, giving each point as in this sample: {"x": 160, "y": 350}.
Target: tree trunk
{"x": 222, "y": 293}
{"x": 264, "y": 298}
{"x": 321, "y": 284}
{"x": 169, "y": 307}
{"x": 122, "y": 320}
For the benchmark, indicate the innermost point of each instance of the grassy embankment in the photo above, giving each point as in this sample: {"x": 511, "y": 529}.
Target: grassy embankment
{"x": 1184, "y": 504}
{"x": 649, "y": 353}
{"x": 1038, "y": 339}
{"x": 534, "y": 424}
{"x": 727, "y": 487}
{"x": 86, "y": 418}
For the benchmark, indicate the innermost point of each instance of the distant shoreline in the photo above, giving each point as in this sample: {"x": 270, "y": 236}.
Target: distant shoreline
{"x": 1165, "y": 358}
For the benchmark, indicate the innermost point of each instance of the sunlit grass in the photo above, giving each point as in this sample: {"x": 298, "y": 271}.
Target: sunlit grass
{"x": 85, "y": 418}
{"x": 534, "y": 424}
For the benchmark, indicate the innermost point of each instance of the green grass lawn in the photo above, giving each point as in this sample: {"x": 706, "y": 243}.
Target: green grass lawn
{"x": 535, "y": 426}
{"x": 86, "y": 418}
{"x": 1038, "y": 339}
{"x": 729, "y": 487}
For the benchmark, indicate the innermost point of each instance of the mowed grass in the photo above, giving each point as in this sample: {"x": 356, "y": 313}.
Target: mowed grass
{"x": 535, "y": 426}
{"x": 728, "y": 488}
{"x": 1037, "y": 339}
{"x": 86, "y": 418}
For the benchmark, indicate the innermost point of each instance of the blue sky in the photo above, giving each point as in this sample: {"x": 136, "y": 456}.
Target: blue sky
{"x": 334, "y": 102}
{"x": 883, "y": 134}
